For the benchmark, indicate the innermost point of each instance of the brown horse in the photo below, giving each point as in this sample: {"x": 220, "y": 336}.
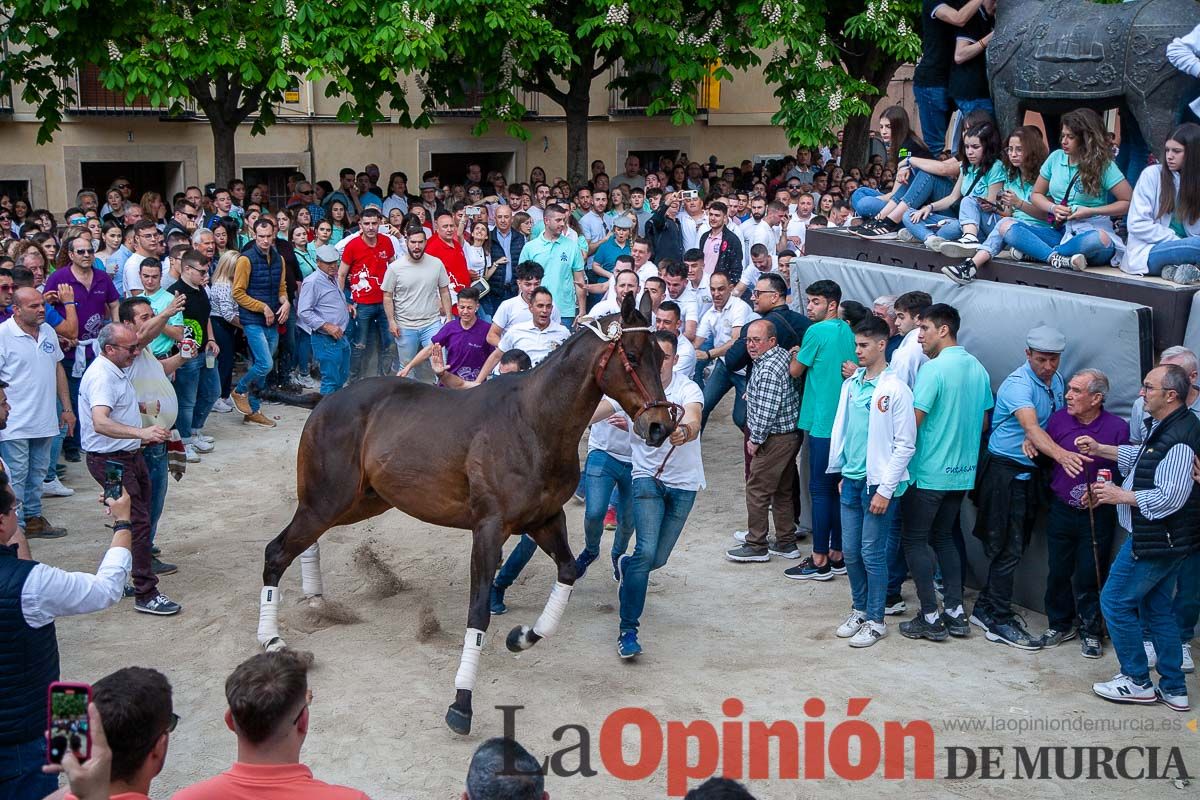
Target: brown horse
{"x": 383, "y": 443}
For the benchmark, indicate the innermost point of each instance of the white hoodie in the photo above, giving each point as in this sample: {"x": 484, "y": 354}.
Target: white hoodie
{"x": 891, "y": 431}
{"x": 1146, "y": 226}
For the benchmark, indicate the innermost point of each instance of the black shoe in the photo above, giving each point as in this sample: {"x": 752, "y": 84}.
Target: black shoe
{"x": 895, "y": 606}
{"x": 962, "y": 274}
{"x": 883, "y": 230}
{"x": 919, "y": 628}
{"x": 957, "y": 626}
{"x": 1090, "y": 646}
{"x": 806, "y": 570}
{"x": 128, "y": 591}
{"x": 838, "y": 567}
{"x": 162, "y": 567}
{"x": 1055, "y": 637}
{"x": 72, "y": 456}
{"x": 980, "y": 618}
{"x": 1013, "y": 634}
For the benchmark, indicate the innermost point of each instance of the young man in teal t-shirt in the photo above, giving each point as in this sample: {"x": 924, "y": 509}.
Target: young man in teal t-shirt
{"x": 952, "y": 397}
{"x": 828, "y": 343}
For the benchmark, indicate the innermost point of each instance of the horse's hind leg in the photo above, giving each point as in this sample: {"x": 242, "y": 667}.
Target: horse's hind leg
{"x": 551, "y": 537}
{"x": 299, "y": 538}
{"x": 485, "y": 554}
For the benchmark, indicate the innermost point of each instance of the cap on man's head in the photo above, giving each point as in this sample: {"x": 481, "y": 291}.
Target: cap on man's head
{"x": 428, "y": 185}
{"x": 210, "y": 190}
{"x": 624, "y": 223}
{"x": 329, "y": 254}
{"x": 1045, "y": 339}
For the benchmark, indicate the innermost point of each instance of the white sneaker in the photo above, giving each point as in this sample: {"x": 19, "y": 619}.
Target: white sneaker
{"x": 741, "y": 536}
{"x": 1122, "y": 689}
{"x": 852, "y": 625}
{"x": 223, "y": 405}
{"x": 1188, "y": 664}
{"x": 55, "y": 488}
{"x": 309, "y": 382}
{"x": 201, "y": 436}
{"x": 1151, "y": 656}
{"x": 868, "y": 634}
{"x": 199, "y": 445}
{"x": 935, "y": 243}
{"x": 1175, "y": 702}
{"x": 190, "y": 452}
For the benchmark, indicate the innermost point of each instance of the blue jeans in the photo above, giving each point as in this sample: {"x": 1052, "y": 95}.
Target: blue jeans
{"x": 720, "y": 381}
{"x": 970, "y": 213}
{"x": 21, "y": 776}
{"x": 925, "y": 188}
{"x": 56, "y": 445}
{"x": 516, "y": 562}
{"x": 826, "y": 515}
{"x": 601, "y": 475}
{"x": 659, "y": 514}
{"x": 1134, "y": 153}
{"x": 1186, "y": 605}
{"x": 304, "y": 354}
{"x": 1145, "y": 583}
{"x": 897, "y": 564}
{"x": 156, "y": 465}
{"x": 27, "y": 460}
{"x": 965, "y": 107}
{"x": 333, "y": 356}
{"x": 868, "y": 202}
{"x": 372, "y": 330}
{"x": 933, "y": 109}
{"x": 262, "y": 340}
{"x": 928, "y": 227}
{"x": 197, "y": 387}
{"x": 71, "y": 442}
{"x": 1173, "y": 253}
{"x": 1040, "y": 241}
{"x": 412, "y": 340}
{"x": 866, "y": 539}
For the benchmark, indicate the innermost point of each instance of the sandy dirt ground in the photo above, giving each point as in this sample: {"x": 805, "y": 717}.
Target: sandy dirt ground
{"x": 712, "y": 630}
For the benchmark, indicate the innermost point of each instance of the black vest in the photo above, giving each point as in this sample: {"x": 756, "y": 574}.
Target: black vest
{"x": 28, "y": 658}
{"x": 1179, "y": 533}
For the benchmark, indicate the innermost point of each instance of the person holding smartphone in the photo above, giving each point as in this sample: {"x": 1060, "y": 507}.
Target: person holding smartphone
{"x": 32, "y": 596}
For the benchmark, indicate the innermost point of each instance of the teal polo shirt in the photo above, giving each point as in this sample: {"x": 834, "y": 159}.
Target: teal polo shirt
{"x": 560, "y": 260}
{"x": 954, "y": 392}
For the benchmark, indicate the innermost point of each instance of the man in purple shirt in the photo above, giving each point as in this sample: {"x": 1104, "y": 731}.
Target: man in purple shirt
{"x": 96, "y": 301}
{"x": 464, "y": 340}
{"x": 1071, "y": 538}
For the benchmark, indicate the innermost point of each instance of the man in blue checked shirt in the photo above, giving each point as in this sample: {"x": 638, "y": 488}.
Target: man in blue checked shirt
{"x": 772, "y": 406}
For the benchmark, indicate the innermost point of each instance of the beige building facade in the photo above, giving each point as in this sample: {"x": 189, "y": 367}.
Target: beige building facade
{"x": 104, "y": 137}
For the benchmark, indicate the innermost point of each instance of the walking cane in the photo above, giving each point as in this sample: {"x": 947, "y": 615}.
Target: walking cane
{"x": 1095, "y": 552}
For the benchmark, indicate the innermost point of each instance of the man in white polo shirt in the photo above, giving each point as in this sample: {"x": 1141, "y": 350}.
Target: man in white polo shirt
{"x": 538, "y": 338}
{"x": 723, "y": 325}
{"x": 517, "y": 309}
{"x": 110, "y": 430}
{"x": 30, "y": 363}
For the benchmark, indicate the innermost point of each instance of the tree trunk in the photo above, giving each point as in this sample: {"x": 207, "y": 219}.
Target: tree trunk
{"x": 224, "y": 150}
{"x": 578, "y": 107}
{"x": 855, "y": 142}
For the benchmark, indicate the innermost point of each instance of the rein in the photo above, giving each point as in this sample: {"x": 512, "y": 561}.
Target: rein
{"x": 613, "y": 336}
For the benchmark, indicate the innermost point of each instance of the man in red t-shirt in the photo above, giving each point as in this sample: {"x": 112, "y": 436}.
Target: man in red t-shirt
{"x": 269, "y": 711}
{"x": 364, "y": 262}
{"x": 445, "y": 247}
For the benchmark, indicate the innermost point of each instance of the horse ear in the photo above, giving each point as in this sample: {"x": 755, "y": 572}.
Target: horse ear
{"x": 645, "y": 307}
{"x": 628, "y": 306}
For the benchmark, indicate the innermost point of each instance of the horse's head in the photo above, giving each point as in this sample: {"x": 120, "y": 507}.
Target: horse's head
{"x": 628, "y": 371}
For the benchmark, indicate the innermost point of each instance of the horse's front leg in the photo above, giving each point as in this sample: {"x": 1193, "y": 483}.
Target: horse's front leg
{"x": 551, "y": 537}
{"x": 485, "y": 553}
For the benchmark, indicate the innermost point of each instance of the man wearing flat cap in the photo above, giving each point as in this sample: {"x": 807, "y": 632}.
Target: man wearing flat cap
{"x": 1008, "y": 485}
{"x": 324, "y": 315}
{"x": 604, "y": 262}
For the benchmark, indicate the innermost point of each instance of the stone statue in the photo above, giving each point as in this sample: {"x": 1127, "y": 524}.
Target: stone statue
{"x": 1052, "y": 56}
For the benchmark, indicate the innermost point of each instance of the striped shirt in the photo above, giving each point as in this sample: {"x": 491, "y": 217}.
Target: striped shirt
{"x": 771, "y": 400}
{"x": 1172, "y": 481}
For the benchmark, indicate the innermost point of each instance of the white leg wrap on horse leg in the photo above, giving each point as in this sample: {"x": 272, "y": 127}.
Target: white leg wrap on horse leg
{"x": 468, "y": 667}
{"x": 310, "y": 571}
{"x": 268, "y": 616}
{"x": 547, "y": 623}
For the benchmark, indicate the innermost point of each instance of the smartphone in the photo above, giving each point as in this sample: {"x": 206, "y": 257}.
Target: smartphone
{"x": 67, "y": 721}
{"x": 472, "y": 211}
{"x": 114, "y": 474}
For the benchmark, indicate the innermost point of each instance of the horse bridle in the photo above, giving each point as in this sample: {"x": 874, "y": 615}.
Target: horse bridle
{"x": 613, "y": 336}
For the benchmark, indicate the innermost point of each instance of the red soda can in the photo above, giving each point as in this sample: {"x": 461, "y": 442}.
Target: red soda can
{"x": 1103, "y": 476}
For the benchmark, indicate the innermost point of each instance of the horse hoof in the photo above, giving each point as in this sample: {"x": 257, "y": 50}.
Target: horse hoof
{"x": 274, "y": 645}
{"x": 458, "y": 721}
{"x": 315, "y": 601}
{"x": 516, "y": 640}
